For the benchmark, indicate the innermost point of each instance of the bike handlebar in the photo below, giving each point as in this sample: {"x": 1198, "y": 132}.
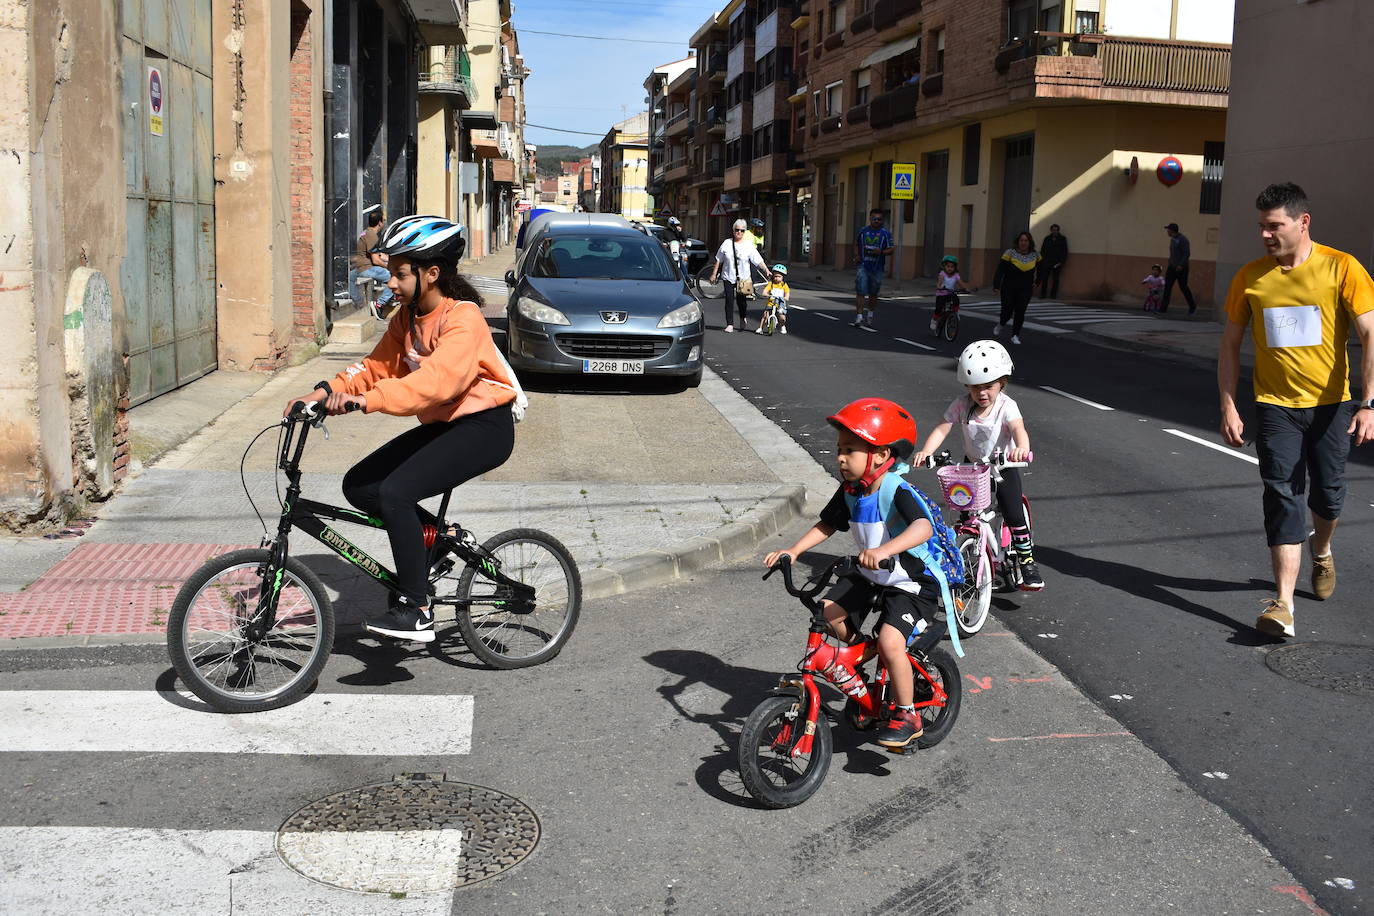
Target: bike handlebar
{"x": 944, "y": 458}
{"x": 842, "y": 566}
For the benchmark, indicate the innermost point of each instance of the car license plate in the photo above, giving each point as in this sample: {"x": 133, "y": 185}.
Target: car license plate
{"x": 614, "y": 366}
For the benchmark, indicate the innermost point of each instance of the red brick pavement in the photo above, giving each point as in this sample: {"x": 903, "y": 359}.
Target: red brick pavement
{"x": 104, "y": 589}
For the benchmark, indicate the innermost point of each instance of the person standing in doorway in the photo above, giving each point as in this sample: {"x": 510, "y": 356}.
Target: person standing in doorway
{"x": 1299, "y": 301}
{"x": 1054, "y": 251}
{"x": 366, "y": 264}
{"x": 871, "y": 247}
{"x": 1180, "y": 253}
{"x": 1015, "y": 279}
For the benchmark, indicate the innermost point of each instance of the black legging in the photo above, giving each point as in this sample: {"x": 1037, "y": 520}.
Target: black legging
{"x": 734, "y": 300}
{"x": 1016, "y": 296}
{"x": 1009, "y": 498}
{"x": 419, "y": 463}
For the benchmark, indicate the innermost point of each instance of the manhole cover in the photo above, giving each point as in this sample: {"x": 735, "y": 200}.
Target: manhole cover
{"x": 418, "y": 834}
{"x": 1330, "y": 666}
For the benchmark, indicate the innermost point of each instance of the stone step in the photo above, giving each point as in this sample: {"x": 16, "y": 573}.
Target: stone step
{"x": 359, "y": 327}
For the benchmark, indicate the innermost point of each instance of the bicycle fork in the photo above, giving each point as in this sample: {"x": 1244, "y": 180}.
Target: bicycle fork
{"x": 797, "y": 738}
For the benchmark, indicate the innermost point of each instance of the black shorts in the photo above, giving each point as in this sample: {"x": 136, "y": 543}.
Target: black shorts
{"x": 1295, "y": 444}
{"x": 899, "y": 609}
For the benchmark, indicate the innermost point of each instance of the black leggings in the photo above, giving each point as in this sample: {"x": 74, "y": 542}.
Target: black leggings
{"x": 1009, "y": 498}
{"x": 1015, "y": 298}
{"x": 732, "y": 300}
{"x": 419, "y": 463}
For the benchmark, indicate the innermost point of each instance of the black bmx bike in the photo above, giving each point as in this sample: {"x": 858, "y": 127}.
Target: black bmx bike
{"x": 251, "y": 630}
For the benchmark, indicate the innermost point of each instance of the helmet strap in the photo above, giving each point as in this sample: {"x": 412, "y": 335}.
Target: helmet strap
{"x": 870, "y": 474}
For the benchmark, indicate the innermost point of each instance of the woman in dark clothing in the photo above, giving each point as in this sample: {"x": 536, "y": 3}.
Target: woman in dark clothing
{"x": 1015, "y": 278}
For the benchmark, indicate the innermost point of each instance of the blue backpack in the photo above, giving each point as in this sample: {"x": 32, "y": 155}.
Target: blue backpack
{"x": 939, "y": 554}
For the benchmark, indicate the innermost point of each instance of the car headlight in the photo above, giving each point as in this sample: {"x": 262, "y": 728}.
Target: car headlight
{"x": 535, "y": 310}
{"x": 688, "y": 314}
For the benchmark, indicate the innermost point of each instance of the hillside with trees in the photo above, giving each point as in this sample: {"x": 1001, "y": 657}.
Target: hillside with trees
{"x": 547, "y": 158}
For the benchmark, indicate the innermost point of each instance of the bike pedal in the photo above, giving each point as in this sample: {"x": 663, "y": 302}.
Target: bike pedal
{"x": 903, "y": 751}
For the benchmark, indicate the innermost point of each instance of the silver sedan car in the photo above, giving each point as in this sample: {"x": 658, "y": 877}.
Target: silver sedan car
{"x": 602, "y": 300}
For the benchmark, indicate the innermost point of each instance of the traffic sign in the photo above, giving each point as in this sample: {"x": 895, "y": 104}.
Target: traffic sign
{"x": 903, "y": 181}
{"x": 719, "y": 208}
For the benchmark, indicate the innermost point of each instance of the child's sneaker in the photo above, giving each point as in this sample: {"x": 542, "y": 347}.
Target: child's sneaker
{"x": 758, "y": 330}
{"x": 1277, "y": 619}
{"x": 782, "y": 330}
{"x": 934, "y": 324}
{"x": 1030, "y": 577}
{"x": 729, "y": 329}
{"x": 903, "y": 728}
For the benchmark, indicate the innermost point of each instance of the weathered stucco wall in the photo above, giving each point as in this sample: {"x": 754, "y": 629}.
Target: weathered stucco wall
{"x": 63, "y": 196}
{"x": 253, "y": 177}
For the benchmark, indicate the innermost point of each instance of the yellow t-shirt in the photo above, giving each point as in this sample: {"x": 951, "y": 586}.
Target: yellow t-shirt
{"x": 779, "y": 291}
{"x": 1300, "y": 322}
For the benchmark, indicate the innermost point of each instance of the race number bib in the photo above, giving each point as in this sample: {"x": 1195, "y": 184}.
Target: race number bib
{"x": 1293, "y": 326}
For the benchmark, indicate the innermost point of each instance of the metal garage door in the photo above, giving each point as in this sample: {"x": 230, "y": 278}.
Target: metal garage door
{"x": 168, "y": 275}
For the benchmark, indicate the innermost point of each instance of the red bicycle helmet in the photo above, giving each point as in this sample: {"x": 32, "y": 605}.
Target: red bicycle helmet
{"x": 879, "y": 422}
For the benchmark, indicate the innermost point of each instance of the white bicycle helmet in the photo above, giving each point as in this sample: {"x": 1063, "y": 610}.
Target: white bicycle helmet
{"x": 983, "y": 361}
{"x": 424, "y": 238}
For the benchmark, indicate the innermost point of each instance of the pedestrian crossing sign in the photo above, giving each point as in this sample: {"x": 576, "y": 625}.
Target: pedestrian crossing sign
{"x": 903, "y": 181}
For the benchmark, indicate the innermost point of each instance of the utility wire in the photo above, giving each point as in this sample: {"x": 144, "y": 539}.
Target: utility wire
{"x": 633, "y": 138}
{"x": 640, "y": 41}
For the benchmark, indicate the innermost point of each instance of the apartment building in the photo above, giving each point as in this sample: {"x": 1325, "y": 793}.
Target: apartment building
{"x": 1316, "y": 143}
{"x": 1107, "y": 118}
{"x": 709, "y": 209}
{"x": 667, "y": 93}
{"x": 625, "y": 168}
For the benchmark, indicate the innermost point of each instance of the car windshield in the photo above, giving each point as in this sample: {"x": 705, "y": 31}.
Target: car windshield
{"x": 622, "y": 257}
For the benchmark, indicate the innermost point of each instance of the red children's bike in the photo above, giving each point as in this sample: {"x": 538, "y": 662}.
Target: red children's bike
{"x": 786, "y": 746}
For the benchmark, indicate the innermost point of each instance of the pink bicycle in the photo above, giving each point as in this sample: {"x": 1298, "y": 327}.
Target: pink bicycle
{"x": 983, "y": 540}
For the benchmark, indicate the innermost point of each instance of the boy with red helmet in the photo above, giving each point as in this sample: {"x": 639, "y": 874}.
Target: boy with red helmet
{"x": 875, "y": 437}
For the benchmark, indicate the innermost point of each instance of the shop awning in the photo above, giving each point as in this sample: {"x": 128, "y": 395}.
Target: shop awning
{"x": 892, "y": 50}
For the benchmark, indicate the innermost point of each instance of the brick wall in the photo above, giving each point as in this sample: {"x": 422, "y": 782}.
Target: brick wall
{"x": 303, "y": 279}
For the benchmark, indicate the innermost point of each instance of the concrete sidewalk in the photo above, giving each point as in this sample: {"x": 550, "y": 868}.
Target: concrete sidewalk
{"x": 644, "y": 483}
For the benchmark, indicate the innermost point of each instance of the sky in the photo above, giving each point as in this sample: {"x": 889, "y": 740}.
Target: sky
{"x": 580, "y": 84}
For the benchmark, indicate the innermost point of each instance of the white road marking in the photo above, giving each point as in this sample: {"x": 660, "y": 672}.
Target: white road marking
{"x": 1215, "y": 446}
{"x": 826, "y": 317}
{"x": 147, "y": 722}
{"x": 125, "y": 870}
{"x": 1074, "y": 397}
{"x": 913, "y": 343}
{"x": 800, "y": 308}
{"x": 864, "y": 327}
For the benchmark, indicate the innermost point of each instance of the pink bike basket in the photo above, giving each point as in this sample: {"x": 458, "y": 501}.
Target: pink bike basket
{"x": 967, "y": 487}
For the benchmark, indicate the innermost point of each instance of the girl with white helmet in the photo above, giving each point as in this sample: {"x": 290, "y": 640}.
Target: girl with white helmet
{"x": 436, "y": 362}
{"x": 991, "y": 421}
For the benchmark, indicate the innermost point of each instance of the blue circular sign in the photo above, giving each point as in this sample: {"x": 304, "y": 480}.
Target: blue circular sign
{"x": 1169, "y": 170}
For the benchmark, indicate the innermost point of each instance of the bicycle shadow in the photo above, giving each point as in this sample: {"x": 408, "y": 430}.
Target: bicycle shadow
{"x": 743, "y": 688}
{"x": 1154, "y": 586}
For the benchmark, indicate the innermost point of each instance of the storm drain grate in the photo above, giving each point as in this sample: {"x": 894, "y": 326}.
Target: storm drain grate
{"x": 418, "y": 834}
{"x": 1330, "y": 666}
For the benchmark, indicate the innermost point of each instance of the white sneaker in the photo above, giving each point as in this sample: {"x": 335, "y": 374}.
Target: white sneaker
{"x": 934, "y": 324}
{"x": 729, "y": 329}
{"x": 997, "y": 331}
{"x": 857, "y": 322}
{"x": 782, "y": 330}
{"x": 758, "y": 330}
{"x": 1015, "y": 339}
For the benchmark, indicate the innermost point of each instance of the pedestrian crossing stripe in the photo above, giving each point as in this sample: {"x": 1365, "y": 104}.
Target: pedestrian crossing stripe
{"x": 48, "y": 721}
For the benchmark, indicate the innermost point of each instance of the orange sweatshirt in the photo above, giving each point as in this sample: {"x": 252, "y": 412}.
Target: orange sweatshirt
{"x": 445, "y": 371}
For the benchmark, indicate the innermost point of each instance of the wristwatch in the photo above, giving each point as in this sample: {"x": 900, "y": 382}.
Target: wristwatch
{"x": 1367, "y": 405}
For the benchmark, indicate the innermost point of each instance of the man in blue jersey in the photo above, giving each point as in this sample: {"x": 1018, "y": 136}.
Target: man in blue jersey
{"x": 871, "y": 247}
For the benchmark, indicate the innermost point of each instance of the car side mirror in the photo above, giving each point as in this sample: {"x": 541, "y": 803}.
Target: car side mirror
{"x": 510, "y": 278}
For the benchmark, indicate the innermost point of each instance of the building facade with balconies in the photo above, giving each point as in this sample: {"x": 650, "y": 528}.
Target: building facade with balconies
{"x": 667, "y": 89}
{"x": 625, "y": 168}
{"x": 708, "y": 208}
{"x": 1018, "y": 114}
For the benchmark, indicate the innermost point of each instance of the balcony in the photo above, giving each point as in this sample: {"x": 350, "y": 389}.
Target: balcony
{"x": 677, "y": 170}
{"x": 440, "y": 22}
{"x": 862, "y": 23}
{"x": 714, "y": 120}
{"x": 716, "y": 65}
{"x": 933, "y": 84}
{"x": 894, "y": 107}
{"x": 737, "y": 177}
{"x": 1091, "y": 66}
{"x": 449, "y": 77}
{"x": 832, "y": 124}
{"x": 858, "y": 114}
{"x": 887, "y": 13}
{"x": 769, "y": 169}
{"x": 834, "y": 40}
{"x": 676, "y": 125}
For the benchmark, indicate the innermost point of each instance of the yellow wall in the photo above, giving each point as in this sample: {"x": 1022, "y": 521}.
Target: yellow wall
{"x": 634, "y": 176}
{"x": 1081, "y": 154}
{"x": 434, "y": 187}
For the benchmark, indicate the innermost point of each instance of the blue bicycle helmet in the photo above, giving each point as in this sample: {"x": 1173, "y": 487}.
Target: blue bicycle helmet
{"x": 423, "y": 238}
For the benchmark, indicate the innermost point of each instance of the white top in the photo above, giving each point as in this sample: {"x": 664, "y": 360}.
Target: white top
{"x": 746, "y": 253}
{"x": 984, "y": 435}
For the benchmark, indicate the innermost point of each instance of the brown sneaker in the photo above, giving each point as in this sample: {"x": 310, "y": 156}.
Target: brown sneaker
{"x": 1323, "y": 576}
{"x": 1277, "y": 619}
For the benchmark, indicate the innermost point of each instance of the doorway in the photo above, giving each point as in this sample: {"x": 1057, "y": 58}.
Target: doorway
{"x": 936, "y": 196}
{"x": 1018, "y": 172}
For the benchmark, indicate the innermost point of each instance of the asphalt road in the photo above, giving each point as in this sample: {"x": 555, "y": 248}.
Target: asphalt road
{"x": 1153, "y": 551}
